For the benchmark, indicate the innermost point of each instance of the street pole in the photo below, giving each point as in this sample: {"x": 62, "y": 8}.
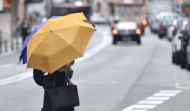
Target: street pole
{"x": 14, "y": 24}
{"x": 49, "y": 6}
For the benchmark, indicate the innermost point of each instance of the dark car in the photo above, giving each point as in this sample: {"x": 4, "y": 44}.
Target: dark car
{"x": 165, "y": 23}
{"x": 126, "y": 30}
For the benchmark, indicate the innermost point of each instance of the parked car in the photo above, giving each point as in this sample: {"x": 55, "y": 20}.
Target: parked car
{"x": 153, "y": 22}
{"x": 188, "y": 56}
{"x": 184, "y": 46}
{"x": 156, "y": 19}
{"x": 98, "y": 18}
{"x": 172, "y": 29}
{"x": 176, "y": 46}
{"x": 165, "y": 23}
{"x": 177, "y": 40}
{"x": 126, "y": 30}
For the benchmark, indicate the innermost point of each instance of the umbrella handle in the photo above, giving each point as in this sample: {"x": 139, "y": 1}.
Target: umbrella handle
{"x": 90, "y": 23}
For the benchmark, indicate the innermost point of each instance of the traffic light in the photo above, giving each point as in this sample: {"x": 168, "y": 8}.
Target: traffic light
{"x": 180, "y": 1}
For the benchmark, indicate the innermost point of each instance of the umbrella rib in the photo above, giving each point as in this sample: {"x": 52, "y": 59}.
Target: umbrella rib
{"x": 74, "y": 26}
{"x": 49, "y": 23}
{"x": 71, "y": 46}
{"x": 64, "y": 28}
{"x": 39, "y": 42}
{"x": 40, "y": 33}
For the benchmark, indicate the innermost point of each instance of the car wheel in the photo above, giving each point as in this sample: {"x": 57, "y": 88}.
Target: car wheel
{"x": 182, "y": 61}
{"x": 182, "y": 65}
{"x": 142, "y": 33}
{"x": 169, "y": 39}
{"x": 160, "y": 36}
{"x": 139, "y": 41}
{"x": 187, "y": 61}
{"x": 173, "y": 58}
{"x": 152, "y": 30}
{"x": 177, "y": 58}
{"x": 114, "y": 42}
{"x": 188, "y": 66}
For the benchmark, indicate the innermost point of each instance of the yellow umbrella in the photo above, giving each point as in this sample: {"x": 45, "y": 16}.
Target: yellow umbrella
{"x": 58, "y": 42}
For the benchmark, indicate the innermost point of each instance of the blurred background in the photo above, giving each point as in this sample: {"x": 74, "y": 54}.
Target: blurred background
{"x": 20, "y": 17}
{"x": 137, "y": 60}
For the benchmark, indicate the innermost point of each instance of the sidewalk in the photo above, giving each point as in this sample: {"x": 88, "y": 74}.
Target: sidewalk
{"x": 10, "y": 47}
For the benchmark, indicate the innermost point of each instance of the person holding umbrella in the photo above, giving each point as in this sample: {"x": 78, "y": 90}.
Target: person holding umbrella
{"x": 50, "y": 50}
{"x": 47, "y": 80}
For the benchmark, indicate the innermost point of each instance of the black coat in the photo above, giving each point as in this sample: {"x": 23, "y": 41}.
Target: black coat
{"x": 46, "y": 81}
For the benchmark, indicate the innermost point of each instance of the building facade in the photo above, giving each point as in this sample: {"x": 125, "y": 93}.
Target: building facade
{"x": 106, "y": 7}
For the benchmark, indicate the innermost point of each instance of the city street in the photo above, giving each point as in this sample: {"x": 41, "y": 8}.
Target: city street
{"x": 121, "y": 77}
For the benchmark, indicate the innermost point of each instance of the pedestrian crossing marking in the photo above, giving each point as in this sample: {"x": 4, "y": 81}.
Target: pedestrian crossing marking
{"x": 157, "y": 98}
{"x": 169, "y": 91}
{"x": 144, "y": 106}
{"x": 152, "y": 101}
{"x": 164, "y": 95}
{"x": 138, "y": 110}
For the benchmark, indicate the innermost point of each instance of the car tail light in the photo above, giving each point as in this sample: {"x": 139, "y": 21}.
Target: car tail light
{"x": 144, "y": 22}
{"x": 180, "y": 37}
{"x": 115, "y": 31}
{"x": 113, "y": 24}
{"x": 161, "y": 27}
{"x": 138, "y": 31}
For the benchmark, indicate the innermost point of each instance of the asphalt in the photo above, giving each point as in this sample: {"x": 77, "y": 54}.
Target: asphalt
{"x": 159, "y": 74}
{"x": 113, "y": 79}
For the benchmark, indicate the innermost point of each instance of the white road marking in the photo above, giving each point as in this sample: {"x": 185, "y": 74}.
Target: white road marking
{"x": 179, "y": 87}
{"x": 97, "y": 82}
{"x": 103, "y": 44}
{"x": 138, "y": 110}
{"x": 7, "y": 65}
{"x": 144, "y": 106}
{"x": 150, "y": 102}
{"x": 169, "y": 91}
{"x": 157, "y": 98}
{"x": 182, "y": 87}
{"x": 16, "y": 78}
{"x": 137, "y": 107}
{"x": 164, "y": 95}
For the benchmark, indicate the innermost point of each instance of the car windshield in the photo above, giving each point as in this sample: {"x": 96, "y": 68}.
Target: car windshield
{"x": 168, "y": 21}
{"x": 126, "y": 25}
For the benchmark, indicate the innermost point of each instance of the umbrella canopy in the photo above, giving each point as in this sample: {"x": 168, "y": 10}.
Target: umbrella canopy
{"x": 58, "y": 42}
{"x": 23, "y": 56}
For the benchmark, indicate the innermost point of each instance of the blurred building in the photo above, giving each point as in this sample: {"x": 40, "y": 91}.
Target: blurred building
{"x": 185, "y": 7}
{"x": 156, "y": 6}
{"x": 5, "y": 19}
{"x": 106, "y": 7}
